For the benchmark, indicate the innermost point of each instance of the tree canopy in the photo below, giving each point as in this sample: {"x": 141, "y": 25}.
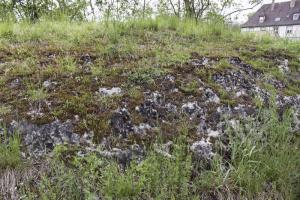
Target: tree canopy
{"x": 33, "y": 10}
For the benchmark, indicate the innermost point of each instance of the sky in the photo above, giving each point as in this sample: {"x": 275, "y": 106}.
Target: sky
{"x": 242, "y": 17}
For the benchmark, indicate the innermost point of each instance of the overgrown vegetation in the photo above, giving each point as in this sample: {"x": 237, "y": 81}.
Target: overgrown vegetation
{"x": 262, "y": 162}
{"x": 33, "y": 11}
{"x": 53, "y": 69}
{"x": 10, "y": 152}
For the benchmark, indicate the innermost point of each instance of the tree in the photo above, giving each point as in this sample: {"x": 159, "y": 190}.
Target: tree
{"x": 198, "y": 9}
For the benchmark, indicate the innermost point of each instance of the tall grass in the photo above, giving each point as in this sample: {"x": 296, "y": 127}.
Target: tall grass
{"x": 10, "y": 153}
{"x": 66, "y": 31}
{"x": 262, "y": 162}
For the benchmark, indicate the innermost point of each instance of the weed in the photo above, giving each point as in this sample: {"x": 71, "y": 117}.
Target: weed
{"x": 37, "y": 95}
{"x": 190, "y": 87}
{"x": 223, "y": 64}
{"x": 258, "y": 166}
{"x": 10, "y": 153}
{"x": 68, "y": 65}
{"x": 145, "y": 75}
{"x": 135, "y": 93}
{"x": 4, "y": 110}
{"x": 98, "y": 71}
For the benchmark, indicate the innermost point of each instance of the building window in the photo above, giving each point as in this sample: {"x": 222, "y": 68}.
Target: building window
{"x": 262, "y": 19}
{"x": 277, "y": 19}
{"x": 296, "y": 16}
{"x": 289, "y": 30}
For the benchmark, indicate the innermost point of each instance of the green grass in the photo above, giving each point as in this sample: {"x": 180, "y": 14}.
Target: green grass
{"x": 36, "y": 95}
{"x": 10, "y": 152}
{"x": 262, "y": 156}
{"x": 4, "y": 110}
{"x": 191, "y": 87}
{"x": 145, "y": 75}
{"x": 67, "y": 65}
{"x": 263, "y": 162}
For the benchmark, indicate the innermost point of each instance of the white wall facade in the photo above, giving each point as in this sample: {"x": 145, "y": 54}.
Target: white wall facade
{"x": 292, "y": 31}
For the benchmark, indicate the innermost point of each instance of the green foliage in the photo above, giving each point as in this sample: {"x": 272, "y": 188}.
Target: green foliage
{"x": 264, "y": 157}
{"x": 224, "y": 64}
{"x": 267, "y": 155}
{"x": 136, "y": 54}
{"x": 145, "y": 75}
{"x": 190, "y": 87}
{"x": 263, "y": 163}
{"x": 135, "y": 93}
{"x": 68, "y": 65}
{"x": 37, "y": 95}
{"x": 4, "y": 110}
{"x": 156, "y": 177}
{"x": 10, "y": 152}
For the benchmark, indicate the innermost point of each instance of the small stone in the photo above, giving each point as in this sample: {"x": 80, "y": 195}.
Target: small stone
{"x": 234, "y": 123}
{"x": 202, "y": 150}
{"x": 15, "y": 83}
{"x": 121, "y": 122}
{"x": 213, "y": 134}
{"x": 142, "y": 129}
{"x": 46, "y": 84}
{"x": 192, "y": 109}
{"x": 240, "y": 93}
{"x": 284, "y": 66}
{"x": 110, "y": 92}
{"x": 200, "y": 62}
{"x": 87, "y": 60}
{"x": 211, "y": 96}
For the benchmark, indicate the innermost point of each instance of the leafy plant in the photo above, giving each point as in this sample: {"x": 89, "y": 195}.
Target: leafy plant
{"x": 10, "y": 152}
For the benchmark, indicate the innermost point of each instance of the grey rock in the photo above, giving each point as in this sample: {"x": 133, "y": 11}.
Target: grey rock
{"x": 148, "y": 109}
{"x": 49, "y": 84}
{"x": 284, "y": 66}
{"x": 110, "y": 92}
{"x": 41, "y": 139}
{"x": 86, "y": 59}
{"x": 202, "y": 150}
{"x": 16, "y": 83}
{"x": 193, "y": 110}
{"x": 213, "y": 133}
{"x": 211, "y": 96}
{"x": 142, "y": 129}
{"x": 201, "y": 62}
{"x": 121, "y": 122}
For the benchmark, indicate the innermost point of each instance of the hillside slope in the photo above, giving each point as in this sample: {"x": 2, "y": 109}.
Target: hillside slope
{"x": 115, "y": 88}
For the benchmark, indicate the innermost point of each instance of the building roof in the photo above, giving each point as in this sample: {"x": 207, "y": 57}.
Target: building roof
{"x": 281, "y": 10}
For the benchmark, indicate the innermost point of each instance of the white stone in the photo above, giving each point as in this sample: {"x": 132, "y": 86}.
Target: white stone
{"x": 202, "y": 149}
{"x": 212, "y": 97}
{"x": 240, "y": 93}
{"x": 46, "y": 84}
{"x": 284, "y": 67}
{"x": 142, "y": 128}
{"x": 110, "y": 92}
{"x": 213, "y": 134}
{"x": 190, "y": 106}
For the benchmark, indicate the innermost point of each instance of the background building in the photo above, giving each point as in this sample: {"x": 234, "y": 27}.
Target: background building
{"x": 278, "y": 19}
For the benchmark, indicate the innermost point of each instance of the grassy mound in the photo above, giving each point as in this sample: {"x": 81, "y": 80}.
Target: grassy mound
{"x": 52, "y": 70}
